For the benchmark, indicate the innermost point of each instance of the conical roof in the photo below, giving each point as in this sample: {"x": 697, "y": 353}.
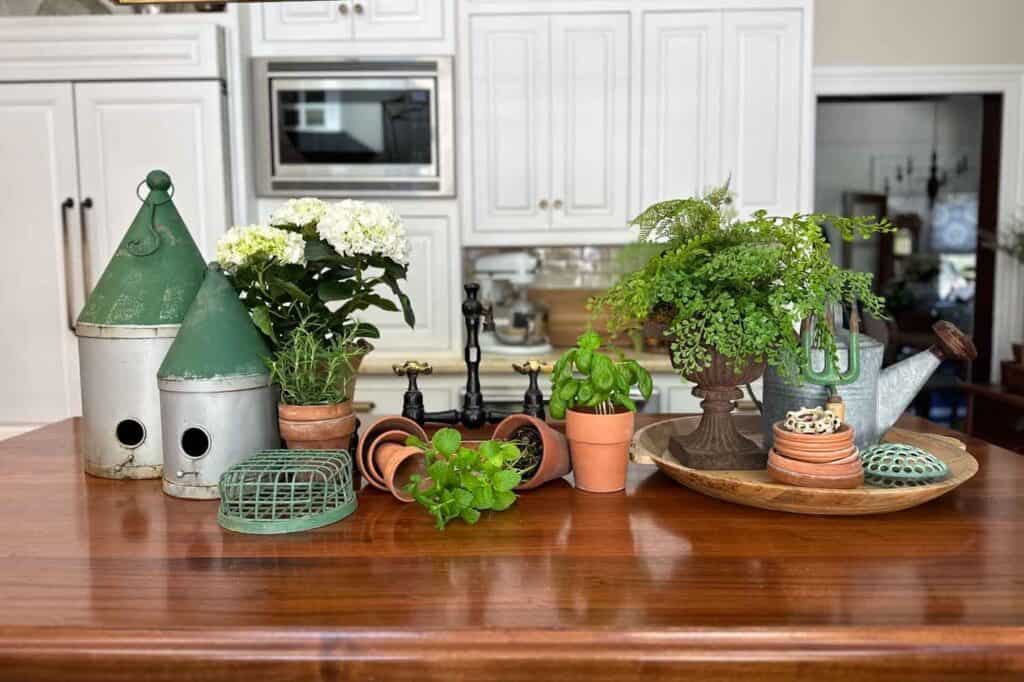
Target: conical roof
{"x": 217, "y": 339}
{"x": 156, "y": 270}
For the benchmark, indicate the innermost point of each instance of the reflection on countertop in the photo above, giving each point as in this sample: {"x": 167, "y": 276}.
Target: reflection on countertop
{"x": 493, "y": 363}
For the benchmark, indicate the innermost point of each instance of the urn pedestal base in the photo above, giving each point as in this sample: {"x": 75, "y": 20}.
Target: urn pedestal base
{"x": 716, "y": 444}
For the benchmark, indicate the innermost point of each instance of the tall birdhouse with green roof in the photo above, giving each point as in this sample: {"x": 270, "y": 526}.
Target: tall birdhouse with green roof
{"x": 127, "y": 325}
{"x": 216, "y": 402}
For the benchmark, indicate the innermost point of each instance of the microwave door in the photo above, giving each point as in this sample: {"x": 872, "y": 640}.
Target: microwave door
{"x": 361, "y": 128}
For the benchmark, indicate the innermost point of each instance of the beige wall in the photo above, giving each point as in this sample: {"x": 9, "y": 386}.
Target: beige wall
{"x": 898, "y": 32}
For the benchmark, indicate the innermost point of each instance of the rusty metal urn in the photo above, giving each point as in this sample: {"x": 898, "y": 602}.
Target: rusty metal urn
{"x": 716, "y": 443}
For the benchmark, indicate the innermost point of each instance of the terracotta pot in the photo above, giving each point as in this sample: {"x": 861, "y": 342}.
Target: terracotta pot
{"x": 373, "y": 467}
{"x": 364, "y": 449}
{"x": 554, "y": 460}
{"x": 398, "y": 464}
{"x": 317, "y": 427}
{"x": 600, "y": 449}
{"x": 847, "y": 466}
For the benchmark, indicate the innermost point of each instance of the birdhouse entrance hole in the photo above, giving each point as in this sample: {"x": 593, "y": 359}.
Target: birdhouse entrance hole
{"x": 130, "y": 433}
{"x": 195, "y": 442}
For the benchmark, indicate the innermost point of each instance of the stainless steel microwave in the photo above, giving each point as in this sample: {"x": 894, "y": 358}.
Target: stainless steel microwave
{"x": 354, "y": 127}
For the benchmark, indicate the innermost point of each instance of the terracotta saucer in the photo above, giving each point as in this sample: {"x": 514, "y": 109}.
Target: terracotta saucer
{"x": 814, "y": 457}
{"x": 814, "y": 481}
{"x": 847, "y": 466}
{"x": 842, "y": 435}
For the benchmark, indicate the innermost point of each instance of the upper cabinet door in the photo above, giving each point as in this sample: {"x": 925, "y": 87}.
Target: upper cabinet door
{"x": 761, "y": 109}
{"x": 509, "y": 91}
{"x": 126, "y": 130}
{"x": 682, "y": 81}
{"x": 398, "y": 19}
{"x": 40, "y": 266}
{"x": 590, "y": 105}
{"x": 307, "y": 21}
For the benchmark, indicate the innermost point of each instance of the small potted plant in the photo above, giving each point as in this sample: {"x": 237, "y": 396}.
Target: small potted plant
{"x": 327, "y": 262}
{"x": 314, "y": 412}
{"x": 461, "y": 482}
{"x": 731, "y": 294}
{"x": 592, "y": 392}
{"x": 544, "y": 454}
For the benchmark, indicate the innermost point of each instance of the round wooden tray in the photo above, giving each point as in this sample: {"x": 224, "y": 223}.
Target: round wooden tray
{"x": 757, "y": 489}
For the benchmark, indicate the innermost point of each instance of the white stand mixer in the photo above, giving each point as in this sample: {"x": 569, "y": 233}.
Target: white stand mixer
{"x": 516, "y": 325}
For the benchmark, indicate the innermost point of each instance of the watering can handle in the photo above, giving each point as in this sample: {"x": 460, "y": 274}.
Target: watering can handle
{"x": 952, "y": 344}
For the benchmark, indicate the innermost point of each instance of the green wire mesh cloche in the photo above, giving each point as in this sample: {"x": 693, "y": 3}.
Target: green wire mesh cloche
{"x": 896, "y": 465}
{"x": 284, "y": 491}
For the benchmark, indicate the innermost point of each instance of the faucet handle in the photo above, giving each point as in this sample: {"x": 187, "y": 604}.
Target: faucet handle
{"x": 952, "y": 344}
{"x": 533, "y": 399}
{"x": 531, "y": 367}
{"x": 412, "y": 368}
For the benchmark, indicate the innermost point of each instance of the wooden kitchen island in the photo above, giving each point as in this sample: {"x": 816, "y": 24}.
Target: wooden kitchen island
{"x": 112, "y": 580}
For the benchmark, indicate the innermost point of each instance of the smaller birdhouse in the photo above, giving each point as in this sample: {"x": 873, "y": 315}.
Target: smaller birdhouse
{"x": 216, "y": 402}
{"x": 129, "y": 321}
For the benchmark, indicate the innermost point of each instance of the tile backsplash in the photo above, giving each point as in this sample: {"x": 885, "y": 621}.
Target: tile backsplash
{"x": 561, "y": 267}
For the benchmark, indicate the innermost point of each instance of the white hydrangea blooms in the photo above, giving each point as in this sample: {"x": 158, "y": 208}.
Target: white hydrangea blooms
{"x": 364, "y": 228}
{"x": 299, "y": 212}
{"x": 245, "y": 244}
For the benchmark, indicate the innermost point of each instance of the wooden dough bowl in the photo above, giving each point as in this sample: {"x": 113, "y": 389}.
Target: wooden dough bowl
{"x": 757, "y": 489}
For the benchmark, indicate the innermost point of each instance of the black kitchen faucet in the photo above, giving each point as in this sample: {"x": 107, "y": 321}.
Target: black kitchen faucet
{"x": 474, "y": 412}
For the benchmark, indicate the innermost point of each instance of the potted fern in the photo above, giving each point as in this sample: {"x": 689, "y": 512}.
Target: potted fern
{"x": 731, "y": 294}
{"x": 314, "y": 412}
{"x": 592, "y": 393}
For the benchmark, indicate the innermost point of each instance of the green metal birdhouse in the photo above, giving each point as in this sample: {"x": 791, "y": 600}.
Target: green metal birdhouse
{"x": 129, "y": 321}
{"x": 216, "y": 403}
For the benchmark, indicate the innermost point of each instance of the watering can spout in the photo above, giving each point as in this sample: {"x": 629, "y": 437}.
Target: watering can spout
{"x": 899, "y": 384}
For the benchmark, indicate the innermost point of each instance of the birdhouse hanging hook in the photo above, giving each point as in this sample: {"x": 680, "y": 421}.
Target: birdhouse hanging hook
{"x": 137, "y": 247}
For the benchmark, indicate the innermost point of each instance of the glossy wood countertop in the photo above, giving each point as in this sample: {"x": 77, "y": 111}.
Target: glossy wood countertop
{"x": 112, "y": 580}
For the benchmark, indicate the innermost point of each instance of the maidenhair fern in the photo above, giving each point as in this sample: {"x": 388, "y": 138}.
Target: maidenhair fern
{"x": 741, "y": 287}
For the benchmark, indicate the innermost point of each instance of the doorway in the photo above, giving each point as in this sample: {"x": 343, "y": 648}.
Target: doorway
{"x": 930, "y": 163}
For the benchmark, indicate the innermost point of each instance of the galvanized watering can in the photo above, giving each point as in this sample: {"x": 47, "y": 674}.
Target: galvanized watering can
{"x": 877, "y": 397}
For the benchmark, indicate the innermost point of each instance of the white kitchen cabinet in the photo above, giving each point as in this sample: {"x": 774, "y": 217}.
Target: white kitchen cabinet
{"x": 722, "y": 98}
{"x": 40, "y": 273}
{"x": 549, "y": 104}
{"x": 305, "y": 21}
{"x": 353, "y": 27}
{"x": 590, "y": 108}
{"x": 680, "y": 105}
{"x": 125, "y": 130}
{"x": 77, "y": 152}
{"x": 762, "y": 108}
{"x": 399, "y": 20}
{"x": 432, "y": 284}
{"x": 510, "y": 99}
{"x": 581, "y": 114}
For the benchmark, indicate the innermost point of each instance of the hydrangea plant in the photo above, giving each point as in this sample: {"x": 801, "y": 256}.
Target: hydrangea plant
{"x": 320, "y": 262}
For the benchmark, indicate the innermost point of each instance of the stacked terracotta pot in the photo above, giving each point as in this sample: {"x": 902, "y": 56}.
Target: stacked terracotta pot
{"x": 815, "y": 460}
{"x": 386, "y": 461}
{"x": 389, "y": 464}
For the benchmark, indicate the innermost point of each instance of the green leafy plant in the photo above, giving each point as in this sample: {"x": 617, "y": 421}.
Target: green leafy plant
{"x": 740, "y": 287}
{"x": 464, "y": 482}
{"x": 311, "y": 365}
{"x": 586, "y": 378}
{"x": 326, "y": 261}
